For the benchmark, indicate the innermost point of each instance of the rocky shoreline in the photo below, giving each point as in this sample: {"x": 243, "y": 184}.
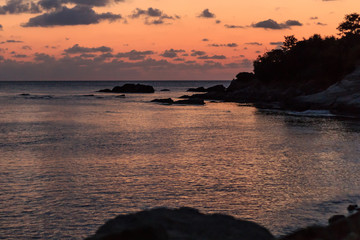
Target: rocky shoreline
{"x": 189, "y": 223}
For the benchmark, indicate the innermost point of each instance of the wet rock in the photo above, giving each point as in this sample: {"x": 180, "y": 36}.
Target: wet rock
{"x": 163, "y": 100}
{"x": 106, "y": 90}
{"x": 336, "y": 218}
{"x": 165, "y": 90}
{"x": 182, "y": 223}
{"x": 133, "y": 88}
{"x": 121, "y": 96}
{"x": 199, "y": 89}
{"x": 216, "y": 88}
{"x": 130, "y": 88}
{"x": 352, "y": 207}
{"x": 191, "y": 101}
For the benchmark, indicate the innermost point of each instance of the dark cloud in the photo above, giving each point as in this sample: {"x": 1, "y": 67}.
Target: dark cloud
{"x": 217, "y": 21}
{"x": 205, "y": 40}
{"x": 321, "y": 24}
{"x": 19, "y": 6}
{"x": 152, "y": 16}
{"x": 314, "y": 18}
{"x": 254, "y": 43}
{"x": 233, "y": 26}
{"x": 11, "y": 41}
{"x": 212, "y": 57}
{"x": 78, "y": 15}
{"x": 271, "y": 24}
{"x": 77, "y": 49}
{"x": 206, "y": 14}
{"x": 276, "y": 43}
{"x": 179, "y": 59}
{"x": 26, "y": 47}
{"x": 171, "y": 53}
{"x": 20, "y": 56}
{"x": 195, "y": 53}
{"x": 42, "y": 57}
{"x": 224, "y": 45}
{"x": 1, "y": 27}
{"x": 134, "y": 55}
{"x": 55, "y": 4}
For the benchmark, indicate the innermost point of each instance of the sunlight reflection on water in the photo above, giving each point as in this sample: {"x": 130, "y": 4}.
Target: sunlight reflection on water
{"x": 68, "y": 164}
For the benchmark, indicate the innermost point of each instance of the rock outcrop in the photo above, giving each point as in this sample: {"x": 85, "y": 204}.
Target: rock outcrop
{"x": 130, "y": 88}
{"x": 179, "y": 224}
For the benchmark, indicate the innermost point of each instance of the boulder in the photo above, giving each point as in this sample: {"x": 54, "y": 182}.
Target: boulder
{"x": 199, "y": 89}
{"x": 133, "y": 88}
{"x": 181, "y": 223}
{"x": 191, "y": 101}
{"x": 165, "y": 90}
{"x": 163, "y": 100}
{"x": 130, "y": 88}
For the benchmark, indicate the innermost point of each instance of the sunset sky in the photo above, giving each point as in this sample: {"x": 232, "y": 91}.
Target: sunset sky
{"x": 152, "y": 39}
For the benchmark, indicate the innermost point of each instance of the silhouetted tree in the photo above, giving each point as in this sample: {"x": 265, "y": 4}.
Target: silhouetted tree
{"x": 289, "y": 42}
{"x": 351, "y": 25}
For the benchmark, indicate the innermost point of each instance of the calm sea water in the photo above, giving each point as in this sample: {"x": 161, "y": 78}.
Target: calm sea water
{"x": 71, "y": 158}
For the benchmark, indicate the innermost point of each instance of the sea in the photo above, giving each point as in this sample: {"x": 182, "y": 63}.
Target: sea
{"x": 72, "y": 158}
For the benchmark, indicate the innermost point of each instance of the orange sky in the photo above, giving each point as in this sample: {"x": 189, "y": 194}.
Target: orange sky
{"x": 38, "y": 52}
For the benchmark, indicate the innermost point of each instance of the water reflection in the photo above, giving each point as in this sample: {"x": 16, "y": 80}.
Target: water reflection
{"x": 67, "y": 167}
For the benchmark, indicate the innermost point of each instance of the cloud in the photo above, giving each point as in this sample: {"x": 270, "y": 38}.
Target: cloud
{"x": 78, "y": 15}
{"x": 134, "y": 55}
{"x": 276, "y": 43}
{"x": 254, "y": 43}
{"x": 271, "y": 24}
{"x": 11, "y": 41}
{"x": 314, "y": 18}
{"x": 218, "y": 21}
{"x": 55, "y": 4}
{"x": 212, "y": 57}
{"x": 46, "y": 67}
{"x": 321, "y": 24}
{"x": 195, "y": 53}
{"x": 153, "y": 16}
{"x": 224, "y": 45}
{"x": 171, "y": 53}
{"x": 20, "y": 56}
{"x": 233, "y": 26}
{"x": 77, "y": 49}
{"x": 206, "y": 14}
{"x": 26, "y": 47}
{"x": 19, "y": 6}
{"x": 1, "y": 27}
{"x": 205, "y": 40}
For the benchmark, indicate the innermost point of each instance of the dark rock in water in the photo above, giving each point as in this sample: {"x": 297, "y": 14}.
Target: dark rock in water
{"x": 130, "y": 88}
{"x": 352, "y": 207}
{"x": 182, "y": 223}
{"x": 24, "y": 94}
{"x": 216, "y": 88}
{"x": 185, "y": 96}
{"x": 191, "y": 101}
{"x": 336, "y": 218}
{"x": 133, "y": 88}
{"x": 165, "y": 90}
{"x": 199, "y": 89}
{"x": 120, "y": 96}
{"x": 163, "y": 100}
{"x": 89, "y": 95}
{"x": 105, "y": 90}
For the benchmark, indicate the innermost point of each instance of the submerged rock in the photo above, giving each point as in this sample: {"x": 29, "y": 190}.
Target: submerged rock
{"x": 130, "y": 88}
{"x": 182, "y": 223}
{"x": 165, "y": 90}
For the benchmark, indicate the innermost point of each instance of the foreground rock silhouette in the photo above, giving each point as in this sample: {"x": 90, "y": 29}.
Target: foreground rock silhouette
{"x": 189, "y": 223}
{"x": 130, "y": 88}
{"x": 182, "y": 223}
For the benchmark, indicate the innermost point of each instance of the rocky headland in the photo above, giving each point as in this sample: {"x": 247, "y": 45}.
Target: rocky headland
{"x": 190, "y": 224}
